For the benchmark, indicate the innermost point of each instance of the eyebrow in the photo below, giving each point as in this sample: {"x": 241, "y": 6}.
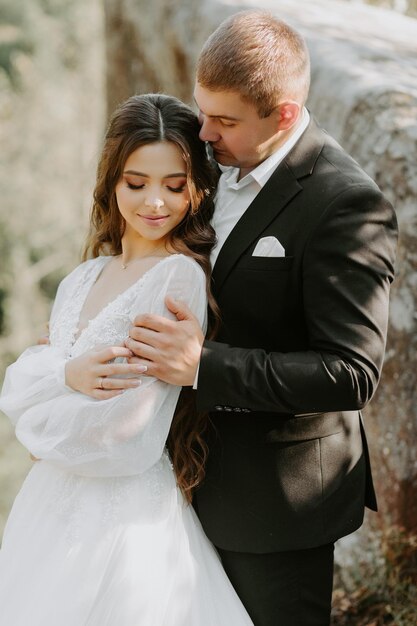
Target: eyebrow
{"x": 223, "y": 117}
{"x": 174, "y": 175}
{"x": 217, "y": 117}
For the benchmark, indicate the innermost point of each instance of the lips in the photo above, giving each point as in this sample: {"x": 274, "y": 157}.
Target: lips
{"x": 154, "y": 220}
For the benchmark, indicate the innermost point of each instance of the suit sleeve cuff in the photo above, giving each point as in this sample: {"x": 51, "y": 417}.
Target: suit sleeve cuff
{"x": 208, "y": 372}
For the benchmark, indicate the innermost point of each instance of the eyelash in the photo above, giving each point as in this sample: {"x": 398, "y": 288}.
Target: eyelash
{"x": 173, "y": 189}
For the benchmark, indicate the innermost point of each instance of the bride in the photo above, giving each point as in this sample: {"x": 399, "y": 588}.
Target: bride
{"x": 102, "y": 532}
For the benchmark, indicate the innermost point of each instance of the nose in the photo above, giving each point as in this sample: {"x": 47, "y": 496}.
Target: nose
{"x": 208, "y": 130}
{"x": 154, "y": 202}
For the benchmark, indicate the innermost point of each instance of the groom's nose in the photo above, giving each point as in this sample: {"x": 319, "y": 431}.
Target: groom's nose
{"x": 208, "y": 130}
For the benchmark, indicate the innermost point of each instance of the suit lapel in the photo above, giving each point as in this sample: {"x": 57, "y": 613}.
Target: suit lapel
{"x": 271, "y": 200}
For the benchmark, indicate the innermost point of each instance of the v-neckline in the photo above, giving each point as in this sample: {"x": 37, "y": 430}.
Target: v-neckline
{"x": 90, "y": 282}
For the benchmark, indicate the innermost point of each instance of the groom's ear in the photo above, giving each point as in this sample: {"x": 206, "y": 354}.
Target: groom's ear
{"x": 287, "y": 114}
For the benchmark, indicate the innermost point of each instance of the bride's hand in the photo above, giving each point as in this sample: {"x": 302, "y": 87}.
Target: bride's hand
{"x": 95, "y": 374}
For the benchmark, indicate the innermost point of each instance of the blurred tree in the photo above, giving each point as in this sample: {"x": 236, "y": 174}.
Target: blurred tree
{"x": 51, "y": 113}
{"x": 52, "y": 106}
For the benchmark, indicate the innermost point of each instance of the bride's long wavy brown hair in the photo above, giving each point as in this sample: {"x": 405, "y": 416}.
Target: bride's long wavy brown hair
{"x": 141, "y": 120}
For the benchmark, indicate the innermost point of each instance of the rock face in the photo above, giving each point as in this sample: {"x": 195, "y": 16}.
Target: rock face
{"x": 151, "y": 47}
{"x": 364, "y": 92}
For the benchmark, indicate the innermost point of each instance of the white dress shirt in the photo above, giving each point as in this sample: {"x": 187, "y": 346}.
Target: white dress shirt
{"x": 234, "y": 197}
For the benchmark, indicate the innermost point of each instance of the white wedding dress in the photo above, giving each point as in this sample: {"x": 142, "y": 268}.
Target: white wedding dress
{"x": 99, "y": 534}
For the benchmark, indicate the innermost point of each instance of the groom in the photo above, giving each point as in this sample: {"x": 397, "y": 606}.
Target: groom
{"x": 302, "y": 272}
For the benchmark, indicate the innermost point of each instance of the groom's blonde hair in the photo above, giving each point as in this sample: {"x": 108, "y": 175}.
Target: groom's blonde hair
{"x": 260, "y": 57}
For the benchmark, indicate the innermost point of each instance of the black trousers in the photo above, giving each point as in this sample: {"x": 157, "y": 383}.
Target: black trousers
{"x": 284, "y": 588}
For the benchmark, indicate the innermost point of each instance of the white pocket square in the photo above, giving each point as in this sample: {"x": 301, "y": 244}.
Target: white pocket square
{"x": 269, "y": 246}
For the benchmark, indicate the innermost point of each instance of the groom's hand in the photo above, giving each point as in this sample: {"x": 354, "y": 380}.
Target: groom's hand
{"x": 170, "y": 349}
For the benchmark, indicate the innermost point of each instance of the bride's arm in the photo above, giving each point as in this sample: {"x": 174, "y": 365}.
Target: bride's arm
{"x": 125, "y": 434}
{"x": 38, "y": 375}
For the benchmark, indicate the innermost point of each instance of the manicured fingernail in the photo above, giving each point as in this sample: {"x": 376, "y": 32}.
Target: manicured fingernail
{"x": 136, "y": 383}
{"x": 141, "y": 368}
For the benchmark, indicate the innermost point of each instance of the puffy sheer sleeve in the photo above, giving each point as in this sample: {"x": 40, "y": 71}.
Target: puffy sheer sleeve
{"x": 120, "y": 436}
{"x": 38, "y": 374}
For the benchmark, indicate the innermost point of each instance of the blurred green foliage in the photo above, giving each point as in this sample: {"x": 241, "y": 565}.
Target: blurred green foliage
{"x": 15, "y": 35}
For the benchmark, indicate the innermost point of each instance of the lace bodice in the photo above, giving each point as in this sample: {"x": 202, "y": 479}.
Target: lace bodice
{"x": 112, "y": 323}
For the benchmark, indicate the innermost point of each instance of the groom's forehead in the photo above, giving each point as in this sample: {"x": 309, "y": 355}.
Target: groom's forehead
{"x": 220, "y": 103}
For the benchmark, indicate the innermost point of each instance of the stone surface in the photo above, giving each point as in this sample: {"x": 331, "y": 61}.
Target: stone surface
{"x": 364, "y": 92}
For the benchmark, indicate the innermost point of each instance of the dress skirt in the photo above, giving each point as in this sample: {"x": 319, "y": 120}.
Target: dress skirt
{"x": 125, "y": 551}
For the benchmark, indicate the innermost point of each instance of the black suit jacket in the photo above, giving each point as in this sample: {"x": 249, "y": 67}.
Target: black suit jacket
{"x": 299, "y": 353}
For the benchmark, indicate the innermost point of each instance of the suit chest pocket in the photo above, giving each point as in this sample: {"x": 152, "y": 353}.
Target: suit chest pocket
{"x": 266, "y": 264}
{"x": 260, "y": 300}
{"x": 263, "y": 280}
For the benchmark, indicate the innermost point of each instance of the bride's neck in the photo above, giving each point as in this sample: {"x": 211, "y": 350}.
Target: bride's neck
{"x": 142, "y": 250}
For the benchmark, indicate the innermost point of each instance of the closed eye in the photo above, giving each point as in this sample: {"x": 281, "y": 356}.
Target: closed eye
{"x": 131, "y": 186}
{"x": 176, "y": 189}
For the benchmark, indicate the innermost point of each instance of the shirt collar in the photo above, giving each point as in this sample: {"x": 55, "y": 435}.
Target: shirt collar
{"x": 263, "y": 171}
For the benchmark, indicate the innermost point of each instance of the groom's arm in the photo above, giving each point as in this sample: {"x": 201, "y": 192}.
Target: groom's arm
{"x": 347, "y": 271}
